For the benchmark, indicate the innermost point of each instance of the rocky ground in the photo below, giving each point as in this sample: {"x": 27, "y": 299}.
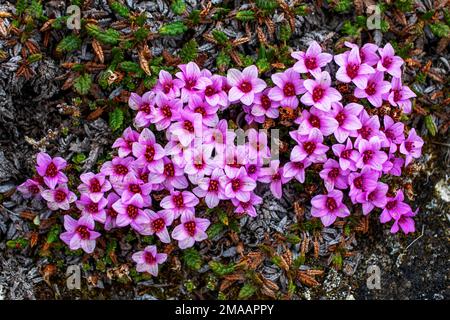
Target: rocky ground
{"x": 37, "y": 114}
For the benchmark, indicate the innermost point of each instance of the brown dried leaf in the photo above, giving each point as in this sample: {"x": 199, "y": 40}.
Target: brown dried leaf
{"x": 307, "y": 280}
{"x": 95, "y": 114}
{"x": 98, "y": 50}
{"x": 28, "y": 215}
{"x": 143, "y": 62}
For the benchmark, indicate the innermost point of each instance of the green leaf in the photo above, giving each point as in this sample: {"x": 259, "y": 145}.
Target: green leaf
{"x": 34, "y": 58}
{"x": 268, "y": 5}
{"x": 440, "y": 29}
{"x": 82, "y": 84}
{"x": 109, "y": 36}
{"x": 69, "y": 43}
{"x": 130, "y": 66}
{"x": 245, "y": 15}
{"x": 220, "y": 36}
{"x": 53, "y": 234}
{"x": 192, "y": 258}
{"x": 141, "y": 34}
{"x": 292, "y": 238}
{"x": 178, "y": 6}
{"x": 285, "y": 32}
{"x": 189, "y": 52}
{"x": 21, "y": 6}
{"x": 116, "y": 119}
{"x": 120, "y": 9}
{"x": 214, "y": 230}
{"x": 247, "y": 291}
{"x": 343, "y": 6}
{"x": 431, "y": 125}
{"x": 36, "y": 9}
{"x": 221, "y": 269}
{"x": 78, "y": 158}
{"x": 223, "y": 61}
{"x": 223, "y": 217}
{"x": 173, "y": 29}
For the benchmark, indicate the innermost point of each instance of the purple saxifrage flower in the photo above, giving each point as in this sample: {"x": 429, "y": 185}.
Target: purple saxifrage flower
{"x": 333, "y": 175}
{"x": 347, "y": 155}
{"x": 148, "y": 260}
{"x": 288, "y": 85}
{"x": 247, "y": 207}
{"x": 319, "y": 119}
{"x": 328, "y": 207}
{"x": 189, "y": 76}
{"x": 51, "y": 169}
{"x": 274, "y": 175}
{"x": 210, "y": 188}
{"x": 190, "y": 230}
{"x": 125, "y": 142}
{"x": 362, "y": 182}
{"x": 180, "y": 203}
{"x": 158, "y": 223}
{"x": 59, "y": 198}
{"x": 166, "y": 111}
{"x": 400, "y": 95}
{"x": 347, "y": 118}
{"x": 263, "y": 106}
{"x": 143, "y": 107}
{"x": 167, "y": 85}
{"x": 244, "y": 85}
{"x": 30, "y": 188}
{"x": 80, "y": 234}
{"x": 311, "y": 147}
{"x": 351, "y": 69}
{"x": 370, "y": 154}
{"x": 375, "y": 198}
{"x": 237, "y": 184}
{"x": 148, "y": 152}
{"x": 312, "y": 60}
{"x": 319, "y": 92}
{"x": 94, "y": 185}
{"x": 133, "y": 187}
{"x": 130, "y": 214}
{"x": 375, "y": 90}
{"x": 296, "y": 169}
{"x": 411, "y": 147}
{"x": 393, "y": 132}
{"x": 95, "y": 209}
{"x": 212, "y": 89}
{"x": 389, "y": 62}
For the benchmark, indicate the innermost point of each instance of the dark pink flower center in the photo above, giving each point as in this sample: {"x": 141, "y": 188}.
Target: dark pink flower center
{"x": 299, "y": 165}
{"x": 178, "y": 200}
{"x": 190, "y": 227}
{"x": 166, "y": 112}
{"x": 145, "y": 108}
{"x": 391, "y": 204}
{"x": 132, "y": 211}
{"x": 340, "y": 118}
{"x": 317, "y": 94}
{"x": 331, "y": 204}
{"x": 111, "y": 212}
{"x": 120, "y": 169}
{"x": 83, "y": 232}
{"x": 251, "y": 169}
{"x": 190, "y": 83}
{"x": 367, "y": 156}
{"x": 95, "y": 186}
{"x": 200, "y": 110}
{"x": 188, "y": 126}
{"x": 92, "y": 207}
{"x": 409, "y": 145}
{"x": 60, "y": 196}
{"x": 314, "y": 121}
{"x": 236, "y": 184}
{"x": 352, "y": 70}
{"x": 149, "y": 153}
{"x": 371, "y": 88}
{"x": 333, "y": 173}
{"x": 387, "y": 61}
{"x": 365, "y": 132}
{"x": 134, "y": 188}
{"x": 276, "y": 177}
{"x": 245, "y": 86}
{"x": 358, "y": 182}
{"x": 346, "y": 154}
{"x": 289, "y": 90}
{"x": 309, "y": 147}
{"x": 362, "y": 56}
{"x": 33, "y": 189}
{"x": 167, "y": 87}
{"x": 158, "y": 224}
{"x": 213, "y": 186}
{"x": 144, "y": 177}
{"x": 149, "y": 258}
{"x": 169, "y": 170}
{"x": 397, "y": 95}
{"x": 389, "y": 134}
{"x": 265, "y": 102}
{"x": 51, "y": 170}
{"x": 311, "y": 63}
{"x": 209, "y": 91}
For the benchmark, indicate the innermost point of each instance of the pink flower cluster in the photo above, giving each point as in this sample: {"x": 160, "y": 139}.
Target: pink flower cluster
{"x": 182, "y": 147}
